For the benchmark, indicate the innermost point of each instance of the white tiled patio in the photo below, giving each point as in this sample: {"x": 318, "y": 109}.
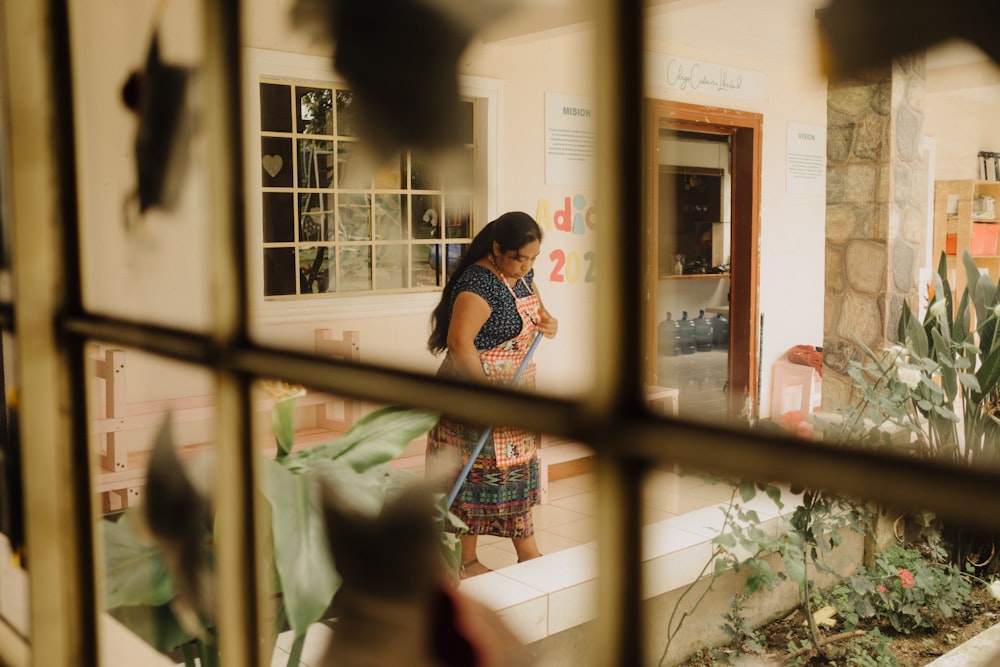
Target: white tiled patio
{"x": 542, "y": 597}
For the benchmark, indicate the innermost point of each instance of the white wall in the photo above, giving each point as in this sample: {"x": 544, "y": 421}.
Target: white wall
{"x": 792, "y": 236}
{"x": 124, "y": 268}
{"x": 961, "y": 109}
{"x": 962, "y": 127}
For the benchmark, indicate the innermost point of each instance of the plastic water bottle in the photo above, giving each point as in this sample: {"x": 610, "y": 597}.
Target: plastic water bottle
{"x": 720, "y": 332}
{"x": 668, "y": 337}
{"x": 687, "y": 335}
{"x": 703, "y": 336}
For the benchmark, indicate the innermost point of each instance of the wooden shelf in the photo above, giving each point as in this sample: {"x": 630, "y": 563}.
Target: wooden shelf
{"x": 955, "y": 224}
{"x": 698, "y": 276}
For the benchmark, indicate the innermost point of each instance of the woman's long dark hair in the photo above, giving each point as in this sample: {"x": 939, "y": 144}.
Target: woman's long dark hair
{"x": 511, "y": 231}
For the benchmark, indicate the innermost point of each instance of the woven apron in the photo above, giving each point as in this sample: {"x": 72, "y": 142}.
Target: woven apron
{"x": 514, "y": 445}
{"x": 496, "y": 498}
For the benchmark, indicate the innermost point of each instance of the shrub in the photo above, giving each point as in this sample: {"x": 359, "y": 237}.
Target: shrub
{"x": 906, "y": 588}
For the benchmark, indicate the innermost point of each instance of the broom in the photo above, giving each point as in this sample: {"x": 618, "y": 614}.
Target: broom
{"x": 489, "y": 429}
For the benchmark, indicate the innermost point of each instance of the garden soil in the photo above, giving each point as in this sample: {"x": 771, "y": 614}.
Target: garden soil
{"x": 914, "y": 650}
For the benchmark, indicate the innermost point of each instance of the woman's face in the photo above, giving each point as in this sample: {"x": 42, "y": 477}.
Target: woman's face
{"x": 516, "y": 263}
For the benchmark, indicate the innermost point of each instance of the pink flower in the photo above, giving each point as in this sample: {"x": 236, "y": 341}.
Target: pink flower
{"x": 882, "y": 589}
{"x": 905, "y": 577}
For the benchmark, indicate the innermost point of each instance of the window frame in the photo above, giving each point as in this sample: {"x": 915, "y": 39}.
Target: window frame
{"x": 53, "y": 328}
{"x": 263, "y": 63}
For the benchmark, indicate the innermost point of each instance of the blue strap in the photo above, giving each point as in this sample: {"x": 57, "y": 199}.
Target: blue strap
{"x": 489, "y": 429}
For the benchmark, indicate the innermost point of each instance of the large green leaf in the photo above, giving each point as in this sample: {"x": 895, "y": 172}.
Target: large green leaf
{"x": 943, "y": 323}
{"x": 795, "y": 563}
{"x": 366, "y": 491}
{"x": 283, "y": 424}
{"x": 945, "y": 354}
{"x": 904, "y": 321}
{"x": 988, "y": 373}
{"x": 916, "y": 337}
{"x": 942, "y": 279}
{"x": 971, "y": 275}
{"x": 301, "y": 552}
{"x": 157, "y": 626}
{"x": 376, "y": 438}
{"x": 135, "y": 572}
{"x": 962, "y": 320}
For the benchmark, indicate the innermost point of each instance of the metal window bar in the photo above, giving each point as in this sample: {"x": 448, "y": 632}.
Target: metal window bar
{"x": 612, "y": 419}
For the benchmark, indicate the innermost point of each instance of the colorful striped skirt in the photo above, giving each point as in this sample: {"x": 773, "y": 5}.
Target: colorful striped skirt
{"x": 493, "y": 500}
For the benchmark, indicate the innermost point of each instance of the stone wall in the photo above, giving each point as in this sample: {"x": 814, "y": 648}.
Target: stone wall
{"x": 876, "y": 209}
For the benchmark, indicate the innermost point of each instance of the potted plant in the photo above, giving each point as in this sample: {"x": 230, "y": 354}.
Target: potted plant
{"x": 938, "y": 388}
{"x": 144, "y": 592}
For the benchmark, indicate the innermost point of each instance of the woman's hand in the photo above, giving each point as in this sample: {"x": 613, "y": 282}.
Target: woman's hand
{"x": 547, "y": 324}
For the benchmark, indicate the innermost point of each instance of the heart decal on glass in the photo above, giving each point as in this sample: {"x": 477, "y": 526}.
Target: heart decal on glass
{"x": 272, "y": 164}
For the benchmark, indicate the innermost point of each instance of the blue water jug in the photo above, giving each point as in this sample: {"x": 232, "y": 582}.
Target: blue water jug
{"x": 668, "y": 337}
{"x": 453, "y": 253}
{"x": 687, "y": 335}
{"x": 720, "y": 332}
{"x": 703, "y": 336}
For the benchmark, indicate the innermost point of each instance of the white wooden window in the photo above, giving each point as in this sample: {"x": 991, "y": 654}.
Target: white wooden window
{"x": 321, "y": 235}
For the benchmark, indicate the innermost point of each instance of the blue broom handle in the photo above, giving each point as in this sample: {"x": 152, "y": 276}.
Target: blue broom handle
{"x": 489, "y": 429}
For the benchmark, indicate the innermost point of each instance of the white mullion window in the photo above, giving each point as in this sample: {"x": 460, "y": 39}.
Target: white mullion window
{"x": 321, "y": 240}
{"x": 386, "y": 231}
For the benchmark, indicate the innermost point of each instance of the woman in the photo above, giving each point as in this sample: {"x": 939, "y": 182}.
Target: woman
{"x": 488, "y": 315}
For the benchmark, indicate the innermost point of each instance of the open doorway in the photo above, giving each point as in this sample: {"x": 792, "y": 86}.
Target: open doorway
{"x": 702, "y": 225}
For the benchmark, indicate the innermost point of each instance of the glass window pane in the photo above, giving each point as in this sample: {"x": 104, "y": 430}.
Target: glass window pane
{"x": 314, "y": 270}
{"x": 279, "y": 271}
{"x": 316, "y": 164}
{"x": 427, "y": 217}
{"x": 345, "y": 114}
{"x": 276, "y": 162}
{"x": 390, "y": 266}
{"x": 279, "y": 217}
{"x": 426, "y": 265}
{"x": 423, "y": 176}
{"x": 315, "y": 106}
{"x": 453, "y": 252}
{"x": 315, "y": 216}
{"x": 458, "y": 217}
{"x": 144, "y": 182}
{"x": 392, "y": 174}
{"x": 275, "y": 108}
{"x": 153, "y": 426}
{"x": 390, "y": 217}
{"x": 354, "y": 218}
{"x": 463, "y": 174}
{"x": 311, "y": 422}
{"x": 354, "y": 268}
{"x": 350, "y": 174}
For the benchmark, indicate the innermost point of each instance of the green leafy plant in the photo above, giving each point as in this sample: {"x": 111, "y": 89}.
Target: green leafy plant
{"x": 939, "y": 388}
{"x": 141, "y": 591}
{"x": 742, "y": 635}
{"x": 744, "y": 545}
{"x": 810, "y": 536}
{"x": 909, "y": 588}
{"x": 872, "y": 649}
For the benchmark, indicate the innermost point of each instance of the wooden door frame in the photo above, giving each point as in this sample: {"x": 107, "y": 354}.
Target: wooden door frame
{"x": 744, "y": 320}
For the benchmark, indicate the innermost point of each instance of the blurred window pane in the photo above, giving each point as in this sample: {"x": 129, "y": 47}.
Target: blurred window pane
{"x": 371, "y": 217}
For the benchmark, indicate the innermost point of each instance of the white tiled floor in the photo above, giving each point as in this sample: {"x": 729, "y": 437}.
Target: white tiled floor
{"x": 567, "y": 520}
{"x": 680, "y": 517}
{"x": 701, "y": 378}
